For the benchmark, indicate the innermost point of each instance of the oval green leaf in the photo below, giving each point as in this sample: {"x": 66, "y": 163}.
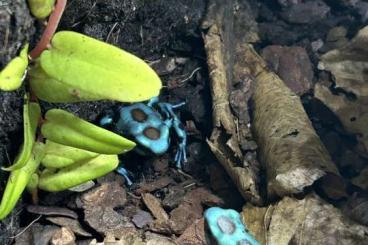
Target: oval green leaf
{"x": 64, "y": 128}
{"x": 78, "y": 173}
{"x": 59, "y": 156}
{"x": 18, "y": 181}
{"x": 31, "y": 115}
{"x": 11, "y": 77}
{"x": 41, "y": 8}
{"x": 87, "y": 69}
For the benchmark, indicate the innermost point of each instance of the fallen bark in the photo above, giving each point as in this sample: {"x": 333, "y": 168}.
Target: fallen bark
{"x": 223, "y": 32}
{"x": 290, "y": 149}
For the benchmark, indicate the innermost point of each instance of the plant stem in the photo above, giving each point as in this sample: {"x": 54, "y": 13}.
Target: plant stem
{"x": 51, "y": 27}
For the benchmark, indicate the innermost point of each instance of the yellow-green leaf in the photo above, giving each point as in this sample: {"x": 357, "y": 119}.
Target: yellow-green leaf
{"x": 64, "y": 128}
{"x": 11, "y": 77}
{"x": 18, "y": 181}
{"x": 83, "y": 68}
{"x": 41, "y": 8}
{"x": 78, "y": 173}
{"x": 31, "y": 115}
{"x": 59, "y": 156}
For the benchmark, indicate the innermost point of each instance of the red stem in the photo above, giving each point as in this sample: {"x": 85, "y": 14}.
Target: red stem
{"x": 51, "y": 27}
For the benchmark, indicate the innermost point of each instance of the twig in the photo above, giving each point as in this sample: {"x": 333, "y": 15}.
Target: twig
{"x": 27, "y": 227}
{"x": 134, "y": 196}
{"x": 50, "y": 29}
{"x": 110, "y": 32}
{"x": 181, "y": 83}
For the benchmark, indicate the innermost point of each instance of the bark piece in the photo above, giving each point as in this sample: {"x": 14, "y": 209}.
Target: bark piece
{"x": 193, "y": 235}
{"x": 293, "y": 154}
{"x": 191, "y": 208}
{"x": 109, "y": 194}
{"x": 106, "y": 220}
{"x": 308, "y": 220}
{"x": 155, "y": 185}
{"x": 225, "y": 30}
{"x": 154, "y": 205}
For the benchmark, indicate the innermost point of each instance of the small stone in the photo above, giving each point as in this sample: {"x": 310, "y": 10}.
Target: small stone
{"x": 317, "y": 45}
{"x": 142, "y": 218}
{"x": 306, "y": 12}
{"x": 249, "y": 145}
{"x": 293, "y": 66}
{"x": 174, "y": 197}
{"x": 160, "y": 165}
{"x": 64, "y": 236}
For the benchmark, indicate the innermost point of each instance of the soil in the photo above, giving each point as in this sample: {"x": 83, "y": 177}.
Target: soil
{"x": 167, "y": 35}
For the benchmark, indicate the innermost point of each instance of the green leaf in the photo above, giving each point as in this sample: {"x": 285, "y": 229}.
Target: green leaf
{"x": 59, "y": 156}
{"x": 78, "y": 173}
{"x": 82, "y": 68}
{"x": 64, "y": 128}
{"x": 31, "y": 115}
{"x": 18, "y": 181}
{"x": 41, "y": 8}
{"x": 11, "y": 77}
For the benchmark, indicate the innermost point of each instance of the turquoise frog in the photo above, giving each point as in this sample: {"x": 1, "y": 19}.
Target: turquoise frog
{"x": 224, "y": 227}
{"x": 149, "y": 126}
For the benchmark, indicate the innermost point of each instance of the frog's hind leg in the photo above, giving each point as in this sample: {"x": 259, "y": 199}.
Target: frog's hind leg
{"x": 181, "y": 154}
{"x": 168, "y": 110}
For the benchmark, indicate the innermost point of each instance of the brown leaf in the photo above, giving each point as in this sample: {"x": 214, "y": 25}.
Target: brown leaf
{"x": 49, "y": 210}
{"x": 73, "y": 224}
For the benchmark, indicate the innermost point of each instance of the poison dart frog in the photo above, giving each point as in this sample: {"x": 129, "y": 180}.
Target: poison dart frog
{"x": 149, "y": 126}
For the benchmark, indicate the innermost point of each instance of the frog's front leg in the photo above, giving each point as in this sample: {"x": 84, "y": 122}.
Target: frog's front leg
{"x": 168, "y": 110}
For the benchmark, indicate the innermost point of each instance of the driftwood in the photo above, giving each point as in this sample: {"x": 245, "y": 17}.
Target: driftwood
{"x": 223, "y": 33}
{"x": 292, "y": 152}
{"x": 307, "y": 221}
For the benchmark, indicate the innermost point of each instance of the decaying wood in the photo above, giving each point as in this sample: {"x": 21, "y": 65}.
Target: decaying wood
{"x": 311, "y": 219}
{"x": 292, "y": 152}
{"x": 220, "y": 27}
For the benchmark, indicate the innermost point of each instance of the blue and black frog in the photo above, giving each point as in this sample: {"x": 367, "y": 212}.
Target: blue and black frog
{"x": 149, "y": 125}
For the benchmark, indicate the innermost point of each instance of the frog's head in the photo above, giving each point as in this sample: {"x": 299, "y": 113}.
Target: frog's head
{"x": 224, "y": 227}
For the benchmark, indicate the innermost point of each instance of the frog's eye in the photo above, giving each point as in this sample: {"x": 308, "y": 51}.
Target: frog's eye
{"x": 152, "y": 133}
{"x": 226, "y": 225}
{"x": 139, "y": 115}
